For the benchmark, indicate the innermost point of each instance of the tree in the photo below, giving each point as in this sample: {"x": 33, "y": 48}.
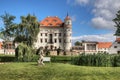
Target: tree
{"x": 77, "y": 43}
{"x": 7, "y": 31}
{"x": 117, "y": 23}
{"x": 26, "y": 34}
{"x": 27, "y": 31}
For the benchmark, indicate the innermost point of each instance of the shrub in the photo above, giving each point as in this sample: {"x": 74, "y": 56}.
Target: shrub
{"x": 24, "y": 53}
{"x": 99, "y": 59}
{"x": 61, "y": 58}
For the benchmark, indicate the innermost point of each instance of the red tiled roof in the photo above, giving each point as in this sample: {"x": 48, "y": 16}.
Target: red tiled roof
{"x": 104, "y": 44}
{"x": 51, "y": 21}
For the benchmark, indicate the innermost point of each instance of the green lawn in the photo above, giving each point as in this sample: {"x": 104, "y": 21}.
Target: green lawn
{"x": 56, "y": 71}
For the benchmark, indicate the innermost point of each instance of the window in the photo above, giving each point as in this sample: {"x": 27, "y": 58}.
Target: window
{"x": 59, "y": 34}
{"x": 50, "y": 24}
{"x": 46, "y": 20}
{"x": 41, "y": 40}
{"x": 41, "y": 34}
{"x": 115, "y": 46}
{"x": 59, "y": 40}
{"x": 45, "y": 34}
{"x": 64, "y": 34}
{"x": 64, "y": 40}
{"x": 45, "y": 40}
{"x": 55, "y": 34}
{"x": 55, "y": 20}
{"x": 55, "y": 40}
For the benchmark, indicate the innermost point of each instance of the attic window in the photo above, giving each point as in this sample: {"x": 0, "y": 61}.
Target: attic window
{"x": 46, "y": 20}
{"x": 55, "y": 20}
{"x": 50, "y": 24}
{"x": 58, "y": 24}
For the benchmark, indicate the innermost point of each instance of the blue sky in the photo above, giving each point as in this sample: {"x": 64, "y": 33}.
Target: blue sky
{"x": 92, "y": 19}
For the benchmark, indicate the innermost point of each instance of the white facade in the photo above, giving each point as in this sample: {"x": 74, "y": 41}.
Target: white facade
{"x": 103, "y": 50}
{"x": 90, "y": 47}
{"x": 115, "y": 48}
{"x": 55, "y": 37}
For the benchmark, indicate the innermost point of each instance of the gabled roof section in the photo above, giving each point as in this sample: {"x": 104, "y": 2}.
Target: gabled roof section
{"x": 104, "y": 44}
{"x": 51, "y": 22}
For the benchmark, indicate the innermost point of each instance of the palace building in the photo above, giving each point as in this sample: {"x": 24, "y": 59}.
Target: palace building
{"x": 55, "y": 33}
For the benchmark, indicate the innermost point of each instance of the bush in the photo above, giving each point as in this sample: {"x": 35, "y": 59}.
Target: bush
{"x": 7, "y": 59}
{"x": 24, "y": 53}
{"x": 61, "y": 58}
{"x": 99, "y": 59}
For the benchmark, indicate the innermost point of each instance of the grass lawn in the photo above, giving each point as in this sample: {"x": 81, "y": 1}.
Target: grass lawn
{"x": 56, "y": 71}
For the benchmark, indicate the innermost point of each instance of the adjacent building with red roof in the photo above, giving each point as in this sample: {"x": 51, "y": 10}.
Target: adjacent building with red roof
{"x": 93, "y": 47}
{"x": 104, "y": 46}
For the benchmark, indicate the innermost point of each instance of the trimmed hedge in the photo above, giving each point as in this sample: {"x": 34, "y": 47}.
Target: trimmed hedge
{"x": 100, "y": 59}
{"x": 7, "y": 59}
{"x": 61, "y": 58}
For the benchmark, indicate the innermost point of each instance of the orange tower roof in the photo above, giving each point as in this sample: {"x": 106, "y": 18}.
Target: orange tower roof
{"x": 51, "y": 21}
{"x": 67, "y": 17}
{"x": 104, "y": 44}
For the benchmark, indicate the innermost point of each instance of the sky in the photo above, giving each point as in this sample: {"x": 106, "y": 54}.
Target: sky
{"x": 91, "y": 19}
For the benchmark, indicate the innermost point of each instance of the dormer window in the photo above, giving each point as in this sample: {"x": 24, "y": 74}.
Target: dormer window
{"x": 54, "y": 20}
{"x": 46, "y": 20}
{"x": 50, "y": 24}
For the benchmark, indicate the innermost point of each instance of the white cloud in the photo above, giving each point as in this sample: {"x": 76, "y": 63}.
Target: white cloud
{"x": 104, "y": 12}
{"x": 81, "y": 2}
{"x": 78, "y": 2}
{"x": 101, "y": 38}
{"x": 101, "y": 22}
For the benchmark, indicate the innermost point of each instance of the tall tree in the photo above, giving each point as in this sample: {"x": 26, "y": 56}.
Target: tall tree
{"x": 6, "y": 31}
{"x": 117, "y": 23}
{"x": 27, "y": 31}
{"x": 77, "y": 43}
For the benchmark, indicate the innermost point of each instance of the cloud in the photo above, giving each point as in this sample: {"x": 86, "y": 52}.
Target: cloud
{"x": 101, "y": 22}
{"x": 81, "y": 2}
{"x": 104, "y": 12}
{"x": 101, "y": 38}
{"x": 78, "y": 2}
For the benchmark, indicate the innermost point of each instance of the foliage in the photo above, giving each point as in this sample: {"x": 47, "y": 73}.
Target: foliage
{"x": 61, "y": 58}
{"x": 77, "y": 43}
{"x": 99, "y": 59}
{"x": 27, "y": 31}
{"x": 6, "y": 32}
{"x": 47, "y": 51}
{"x": 58, "y": 51}
{"x": 24, "y": 52}
{"x": 117, "y": 23}
{"x": 7, "y": 59}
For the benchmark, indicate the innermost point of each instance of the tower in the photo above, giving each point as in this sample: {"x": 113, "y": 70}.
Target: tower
{"x": 67, "y": 33}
